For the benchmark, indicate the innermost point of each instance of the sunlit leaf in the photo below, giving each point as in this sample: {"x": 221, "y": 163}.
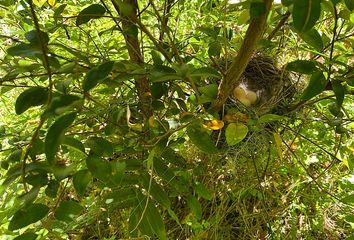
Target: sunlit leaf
{"x": 235, "y": 133}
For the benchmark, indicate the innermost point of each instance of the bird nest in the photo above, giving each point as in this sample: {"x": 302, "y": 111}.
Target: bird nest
{"x": 268, "y": 88}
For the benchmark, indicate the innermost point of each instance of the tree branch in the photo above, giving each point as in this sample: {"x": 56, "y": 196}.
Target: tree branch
{"x": 253, "y": 35}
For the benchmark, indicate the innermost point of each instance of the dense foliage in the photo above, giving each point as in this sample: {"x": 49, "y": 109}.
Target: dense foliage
{"x": 119, "y": 119}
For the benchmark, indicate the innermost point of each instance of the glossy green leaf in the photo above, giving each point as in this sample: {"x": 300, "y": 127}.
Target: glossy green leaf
{"x": 80, "y": 180}
{"x": 93, "y": 11}
{"x": 349, "y": 4}
{"x": 339, "y": 91}
{"x": 95, "y": 75}
{"x": 24, "y": 50}
{"x": 305, "y": 14}
{"x": 100, "y": 146}
{"x": 313, "y": 38}
{"x": 74, "y": 143}
{"x": 27, "y": 236}
{"x": 99, "y": 168}
{"x": 31, "y": 97}
{"x": 201, "y": 139}
{"x": 235, "y": 133}
{"x": 28, "y": 215}
{"x": 162, "y": 73}
{"x": 55, "y": 135}
{"x": 301, "y": 66}
{"x": 67, "y": 210}
{"x": 316, "y": 85}
{"x": 349, "y": 199}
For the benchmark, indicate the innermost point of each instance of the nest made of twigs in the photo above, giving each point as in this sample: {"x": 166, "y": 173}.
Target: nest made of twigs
{"x": 273, "y": 86}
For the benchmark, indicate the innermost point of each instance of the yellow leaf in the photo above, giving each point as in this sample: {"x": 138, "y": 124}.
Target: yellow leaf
{"x": 214, "y": 124}
{"x": 278, "y": 142}
{"x": 52, "y": 2}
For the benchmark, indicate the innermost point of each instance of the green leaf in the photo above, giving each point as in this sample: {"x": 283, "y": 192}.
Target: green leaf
{"x": 52, "y": 188}
{"x": 55, "y": 134}
{"x": 316, "y": 85}
{"x": 27, "y": 236}
{"x": 209, "y": 92}
{"x": 235, "y": 133}
{"x": 32, "y": 37}
{"x": 93, "y": 11}
{"x": 162, "y": 73}
{"x": 270, "y": 118}
{"x": 195, "y": 206}
{"x": 62, "y": 171}
{"x": 205, "y": 72}
{"x": 157, "y": 192}
{"x": 349, "y": 4}
{"x": 214, "y": 49}
{"x": 95, "y": 75}
{"x": 305, "y": 14}
{"x": 80, "y": 180}
{"x": 202, "y": 191}
{"x": 201, "y": 139}
{"x": 74, "y": 143}
{"x": 67, "y": 211}
{"x": 313, "y": 38}
{"x": 257, "y": 9}
{"x": 27, "y": 215}
{"x": 339, "y": 91}
{"x": 24, "y": 50}
{"x": 99, "y": 168}
{"x": 31, "y": 97}
{"x": 61, "y": 104}
{"x": 349, "y": 199}
{"x": 100, "y": 146}
{"x": 15, "y": 156}
{"x": 301, "y": 66}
